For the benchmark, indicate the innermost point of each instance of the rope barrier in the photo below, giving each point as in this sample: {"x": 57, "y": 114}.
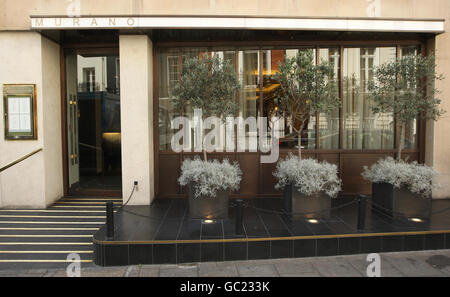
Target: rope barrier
{"x": 216, "y": 212}
{"x": 235, "y": 204}
{"x": 305, "y": 213}
{"x": 440, "y": 211}
{"x": 245, "y": 204}
{"x": 401, "y": 214}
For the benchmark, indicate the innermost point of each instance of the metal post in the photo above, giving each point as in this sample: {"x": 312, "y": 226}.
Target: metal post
{"x": 109, "y": 220}
{"x": 362, "y": 212}
{"x": 239, "y": 217}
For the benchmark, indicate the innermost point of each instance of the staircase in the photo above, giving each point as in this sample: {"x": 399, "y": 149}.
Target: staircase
{"x": 43, "y": 239}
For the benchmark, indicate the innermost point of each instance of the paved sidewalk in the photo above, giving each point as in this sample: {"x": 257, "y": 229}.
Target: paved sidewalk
{"x": 411, "y": 264}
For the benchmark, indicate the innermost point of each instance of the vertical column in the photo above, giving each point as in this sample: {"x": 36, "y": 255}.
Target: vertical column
{"x": 437, "y": 140}
{"x": 136, "y": 103}
{"x": 51, "y": 111}
{"x": 36, "y": 182}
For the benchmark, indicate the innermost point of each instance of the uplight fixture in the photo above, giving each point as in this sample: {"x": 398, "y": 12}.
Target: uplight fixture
{"x": 416, "y": 220}
{"x": 313, "y": 221}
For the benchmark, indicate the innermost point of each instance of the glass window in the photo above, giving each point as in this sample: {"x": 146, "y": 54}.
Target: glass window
{"x": 409, "y": 50}
{"x": 169, "y": 74}
{"x": 360, "y": 127}
{"x": 287, "y": 136}
{"x": 226, "y": 143}
{"x": 411, "y": 133}
{"x": 329, "y": 123}
{"x": 188, "y": 112}
{"x": 363, "y": 129}
{"x": 271, "y": 58}
{"x": 170, "y": 67}
{"x": 248, "y": 74}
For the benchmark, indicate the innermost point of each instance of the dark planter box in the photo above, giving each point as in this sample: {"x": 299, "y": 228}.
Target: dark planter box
{"x": 301, "y": 206}
{"x": 399, "y": 202}
{"x": 205, "y": 207}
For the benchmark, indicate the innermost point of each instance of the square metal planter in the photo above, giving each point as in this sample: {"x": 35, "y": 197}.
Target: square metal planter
{"x": 206, "y": 207}
{"x": 316, "y": 206}
{"x": 399, "y": 202}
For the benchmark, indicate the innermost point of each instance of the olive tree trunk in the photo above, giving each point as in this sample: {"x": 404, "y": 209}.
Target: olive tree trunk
{"x": 299, "y": 140}
{"x": 401, "y": 141}
{"x": 205, "y": 158}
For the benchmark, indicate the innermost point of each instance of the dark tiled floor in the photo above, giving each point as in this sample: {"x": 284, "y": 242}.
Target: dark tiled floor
{"x": 167, "y": 219}
{"x": 163, "y": 233}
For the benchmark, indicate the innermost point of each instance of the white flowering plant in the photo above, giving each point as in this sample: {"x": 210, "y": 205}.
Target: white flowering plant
{"x": 210, "y": 176}
{"x": 308, "y": 176}
{"x": 419, "y": 179}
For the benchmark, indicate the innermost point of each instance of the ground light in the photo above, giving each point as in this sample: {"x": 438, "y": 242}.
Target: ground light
{"x": 313, "y": 221}
{"x": 416, "y": 220}
{"x": 208, "y": 221}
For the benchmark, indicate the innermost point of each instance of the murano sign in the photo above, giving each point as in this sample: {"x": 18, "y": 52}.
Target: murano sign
{"x": 83, "y": 22}
{"x": 251, "y": 23}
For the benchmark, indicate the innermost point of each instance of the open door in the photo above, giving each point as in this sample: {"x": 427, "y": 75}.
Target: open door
{"x": 93, "y": 123}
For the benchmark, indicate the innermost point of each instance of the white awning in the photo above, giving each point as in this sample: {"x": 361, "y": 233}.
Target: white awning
{"x": 249, "y": 23}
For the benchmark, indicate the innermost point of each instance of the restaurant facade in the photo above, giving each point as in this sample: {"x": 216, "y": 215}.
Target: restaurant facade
{"x": 86, "y": 90}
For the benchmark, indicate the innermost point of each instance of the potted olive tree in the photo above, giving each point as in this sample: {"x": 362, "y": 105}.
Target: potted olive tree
{"x": 208, "y": 84}
{"x": 404, "y": 88}
{"x": 307, "y": 185}
{"x": 306, "y": 89}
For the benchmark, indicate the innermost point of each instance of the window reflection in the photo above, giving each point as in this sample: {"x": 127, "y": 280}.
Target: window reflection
{"x": 363, "y": 129}
{"x": 170, "y": 66}
{"x": 188, "y": 112}
{"x": 411, "y": 135}
{"x": 271, "y": 58}
{"x": 249, "y": 96}
{"x": 287, "y": 137}
{"x": 169, "y": 74}
{"x": 329, "y": 123}
{"x": 360, "y": 127}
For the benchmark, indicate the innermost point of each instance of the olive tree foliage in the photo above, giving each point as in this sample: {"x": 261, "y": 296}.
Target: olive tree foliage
{"x": 207, "y": 83}
{"x": 405, "y": 88}
{"x": 305, "y": 89}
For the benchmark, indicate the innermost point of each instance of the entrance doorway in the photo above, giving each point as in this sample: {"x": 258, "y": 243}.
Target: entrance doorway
{"x": 93, "y": 123}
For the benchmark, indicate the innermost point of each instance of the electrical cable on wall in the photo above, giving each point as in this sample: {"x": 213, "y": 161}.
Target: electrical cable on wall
{"x": 131, "y": 195}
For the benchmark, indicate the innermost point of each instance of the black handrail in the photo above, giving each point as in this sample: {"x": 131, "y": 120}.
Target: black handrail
{"x": 90, "y": 146}
{"x": 19, "y": 160}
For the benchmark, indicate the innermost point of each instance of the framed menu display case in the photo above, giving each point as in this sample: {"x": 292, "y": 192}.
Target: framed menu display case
{"x": 19, "y": 106}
